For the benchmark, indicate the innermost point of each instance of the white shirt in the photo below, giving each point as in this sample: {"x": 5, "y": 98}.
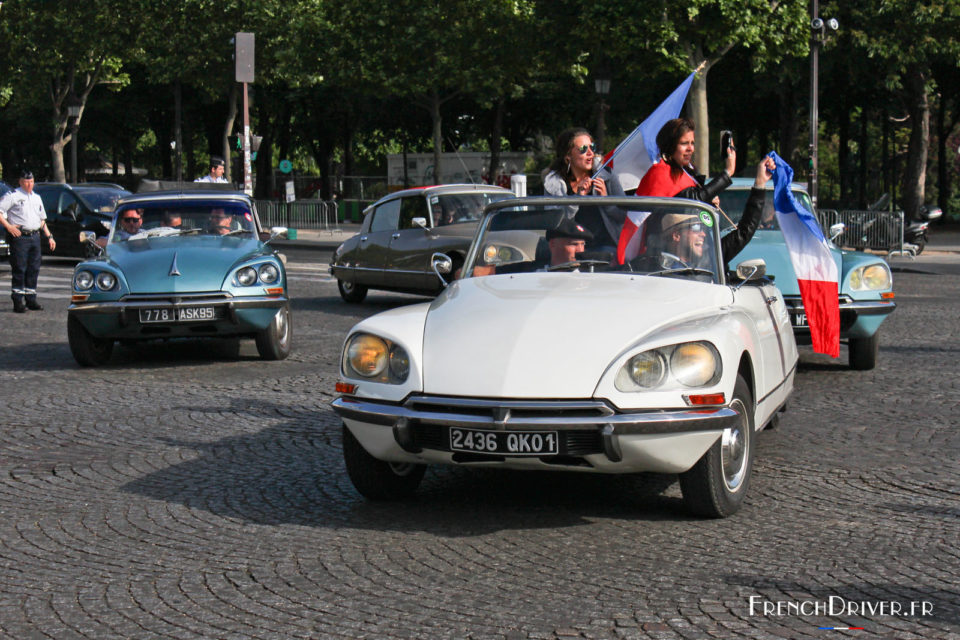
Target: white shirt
{"x": 22, "y": 209}
{"x": 209, "y": 178}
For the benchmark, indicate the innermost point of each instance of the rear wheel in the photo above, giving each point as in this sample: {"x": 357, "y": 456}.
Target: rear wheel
{"x": 273, "y": 343}
{"x": 863, "y": 352}
{"x": 87, "y": 350}
{"x": 716, "y": 486}
{"x": 921, "y": 243}
{"x": 351, "y": 291}
{"x": 376, "y": 479}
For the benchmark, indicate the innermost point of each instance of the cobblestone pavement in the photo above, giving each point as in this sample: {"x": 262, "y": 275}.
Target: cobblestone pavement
{"x": 181, "y": 492}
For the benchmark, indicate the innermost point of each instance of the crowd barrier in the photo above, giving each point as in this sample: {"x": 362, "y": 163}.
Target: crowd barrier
{"x": 320, "y": 215}
{"x": 876, "y": 230}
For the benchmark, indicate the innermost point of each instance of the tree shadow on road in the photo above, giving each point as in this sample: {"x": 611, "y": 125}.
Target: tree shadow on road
{"x": 292, "y": 472}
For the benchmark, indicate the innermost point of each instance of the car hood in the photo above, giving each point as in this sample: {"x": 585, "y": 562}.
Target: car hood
{"x": 202, "y": 261}
{"x": 770, "y": 245}
{"x": 549, "y": 335}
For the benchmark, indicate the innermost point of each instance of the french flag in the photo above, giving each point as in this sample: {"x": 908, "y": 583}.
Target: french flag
{"x": 812, "y": 261}
{"x": 634, "y": 155}
{"x": 631, "y": 242}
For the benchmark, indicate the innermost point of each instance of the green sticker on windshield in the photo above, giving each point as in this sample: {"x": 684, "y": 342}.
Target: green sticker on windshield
{"x": 706, "y": 218}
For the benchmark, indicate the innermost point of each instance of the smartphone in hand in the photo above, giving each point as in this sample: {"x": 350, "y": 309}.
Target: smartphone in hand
{"x": 726, "y": 143}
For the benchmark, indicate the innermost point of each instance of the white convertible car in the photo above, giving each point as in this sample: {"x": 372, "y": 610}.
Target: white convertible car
{"x": 545, "y": 353}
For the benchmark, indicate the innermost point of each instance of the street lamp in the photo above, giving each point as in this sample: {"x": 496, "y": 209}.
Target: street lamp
{"x": 602, "y": 86}
{"x": 73, "y": 113}
{"x": 818, "y": 29}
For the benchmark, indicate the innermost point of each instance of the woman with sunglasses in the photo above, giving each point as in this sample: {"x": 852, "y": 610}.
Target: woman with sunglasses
{"x": 571, "y": 173}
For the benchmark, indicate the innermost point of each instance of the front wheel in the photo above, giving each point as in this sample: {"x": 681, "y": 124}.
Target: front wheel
{"x": 351, "y": 291}
{"x": 921, "y": 243}
{"x": 273, "y": 343}
{"x": 87, "y": 350}
{"x": 376, "y": 479}
{"x": 863, "y": 352}
{"x": 716, "y": 486}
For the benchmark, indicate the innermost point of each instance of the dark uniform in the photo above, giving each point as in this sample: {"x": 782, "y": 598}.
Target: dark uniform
{"x": 25, "y": 221}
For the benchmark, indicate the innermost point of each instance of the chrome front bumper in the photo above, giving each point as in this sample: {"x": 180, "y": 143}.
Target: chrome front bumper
{"x": 620, "y": 434}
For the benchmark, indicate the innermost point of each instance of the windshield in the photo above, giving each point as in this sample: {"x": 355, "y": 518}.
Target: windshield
{"x": 733, "y": 201}
{"x": 103, "y": 200}
{"x": 452, "y": 208}
{"x": 182, "y": 219}
{"x": 673, "y": 240}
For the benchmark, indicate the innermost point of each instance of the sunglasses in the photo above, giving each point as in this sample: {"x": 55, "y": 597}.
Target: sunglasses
{"x": 582, "y": 149}
{"x": 695, "y": 227}
{"x": 130, "y": 219}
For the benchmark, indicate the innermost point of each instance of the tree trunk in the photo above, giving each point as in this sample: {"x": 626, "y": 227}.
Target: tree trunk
{"x": 918, "y": 106}
{"x": 495, "y": 134}
{"x": 437, "y": 136}
{"x": 56, "y": 159}
{"x": 228, "y": 129}
{"x": 699, "y": 115}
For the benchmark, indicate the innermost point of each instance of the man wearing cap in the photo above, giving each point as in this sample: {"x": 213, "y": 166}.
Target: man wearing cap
{"x": 25, "y": 221}
{"x": 566, "y": 240}
{"x": 684, "y": 237}
{"x": 216, "y": 171}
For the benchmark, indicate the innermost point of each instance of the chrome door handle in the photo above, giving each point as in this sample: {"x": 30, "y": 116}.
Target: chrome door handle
{"x": 363, "y": 238}
{"x": 396, "y": 235}
{"x": 771, "y": 299}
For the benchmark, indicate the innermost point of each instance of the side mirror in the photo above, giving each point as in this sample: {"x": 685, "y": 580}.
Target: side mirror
{"x": 420, "y": 222}
{"x": 90, "y": 238}
{"x": 751, "y": 270}
{"x": 441, "y": 264}
{"x": 836, "y": 230}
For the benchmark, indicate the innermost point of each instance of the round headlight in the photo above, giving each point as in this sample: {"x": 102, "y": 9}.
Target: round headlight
{"x": 247, "y": 276}
{"x": 876, "y": 277}
{"x": 694, "y": 364}
{"x": 490, "y": 254}
{"x": 367, "y": 355}
{"x": 647, "y": 369}
{"x": 269, "y": 273}
{"x": 83, "y": 280}
{"x": 106, "y": 281}
{"x": 399, "y": 363}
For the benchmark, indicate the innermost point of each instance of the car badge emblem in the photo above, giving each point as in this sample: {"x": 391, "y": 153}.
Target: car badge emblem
{"x": 173, "y": 267}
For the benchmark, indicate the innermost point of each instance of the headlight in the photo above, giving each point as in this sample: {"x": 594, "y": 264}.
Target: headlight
{"x": 83, "y": 280}
{"x": 874, "y": 277}
{"x": 247, "y": 276}
{"x": 694, "y": 364}
{"x": 106, "y": 281}
{"x": 374, "y": 358}
{"x": 269, "y": 273}
{"x": 691, "y": 364}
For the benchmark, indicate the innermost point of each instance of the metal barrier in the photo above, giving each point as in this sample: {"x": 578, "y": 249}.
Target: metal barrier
{"x": 319, "y": 215}
{"x": 876, "y": 230}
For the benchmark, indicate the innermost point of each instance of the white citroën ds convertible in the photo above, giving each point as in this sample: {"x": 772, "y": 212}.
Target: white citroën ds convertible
{"x": 546, "y": 353}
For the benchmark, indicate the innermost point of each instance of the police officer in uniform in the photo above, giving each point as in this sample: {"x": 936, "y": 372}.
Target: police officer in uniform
{"x": 25, "y": 221}
{"x": 216, "y": 171}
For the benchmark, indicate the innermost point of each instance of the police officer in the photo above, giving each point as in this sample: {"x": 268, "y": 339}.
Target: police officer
{"x": 25, "y": 221}
{"x": 216, "y": 171}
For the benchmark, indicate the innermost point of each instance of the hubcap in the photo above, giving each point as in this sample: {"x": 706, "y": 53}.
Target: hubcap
{"x": 281, "y": 321}
{"x": 733, "y": 449}
{"x": 401, "y": 468}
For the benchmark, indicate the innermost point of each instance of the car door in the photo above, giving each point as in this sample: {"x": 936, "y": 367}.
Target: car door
{"x": 63, "y": 212}
{"x": 371, "y": 255}
{"x": 408, "y": 264}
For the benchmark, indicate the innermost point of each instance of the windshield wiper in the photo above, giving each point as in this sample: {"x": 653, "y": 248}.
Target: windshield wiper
{"x": 682, "y": 271}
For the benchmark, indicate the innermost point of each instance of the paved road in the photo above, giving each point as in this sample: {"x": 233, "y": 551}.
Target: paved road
{"x": 183, "y": 493}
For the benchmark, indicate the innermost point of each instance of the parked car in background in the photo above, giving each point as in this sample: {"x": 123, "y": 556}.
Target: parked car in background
{"x": 530, "y": 362}
{"x": 72, "y": 208}
{"x": 401, "y": 231}
{"x": 865, "y": 287}
{"x": 198, "y": 266}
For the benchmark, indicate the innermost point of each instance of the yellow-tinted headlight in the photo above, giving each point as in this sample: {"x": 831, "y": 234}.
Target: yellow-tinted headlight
{"x": 694, "y": 364}
{"x": 876, "y": 277}
{"x": 367, "y": 355}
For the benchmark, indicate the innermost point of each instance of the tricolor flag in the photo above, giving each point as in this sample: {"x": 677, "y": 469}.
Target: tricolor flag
{"x": 630, "y": 240}
{"x": 632, "y": 157}
{"x": 812, "y": 261}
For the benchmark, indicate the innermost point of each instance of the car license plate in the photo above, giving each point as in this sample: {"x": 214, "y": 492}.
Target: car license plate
{"x": 799, "y": 319}
{"x": 182, "y": 314}
{"x": 504, "y": 443}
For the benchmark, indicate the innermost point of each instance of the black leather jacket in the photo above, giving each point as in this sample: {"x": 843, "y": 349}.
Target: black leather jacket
{"x": 732, "y": 243}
